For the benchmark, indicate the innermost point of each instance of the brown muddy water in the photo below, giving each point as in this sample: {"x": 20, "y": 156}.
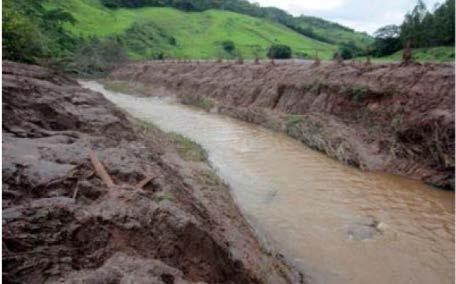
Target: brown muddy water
{"x": 336, "y": 223}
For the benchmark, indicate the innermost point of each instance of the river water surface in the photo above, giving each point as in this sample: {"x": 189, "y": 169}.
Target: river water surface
{"x": 336, "y": 223}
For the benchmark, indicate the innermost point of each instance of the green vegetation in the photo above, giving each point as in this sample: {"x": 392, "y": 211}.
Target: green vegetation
{"x": 279, "y": 51}
{"x": 125, "y": 87}
{"x": 431, "y": 54}
{"x": 187, "y": 149}
{"x": 312, "y": 27}
{"x": 293, "y": 120}
{"x": 438, "y": 53}
{"x": 83, "y": 36}
{"x": 195, "y": 34}
{"x": 420, "y": 29}
{"x": 33, "y": 34}
{"x": 206, "y": 104}
{"x": 356, "y": 92}
{"x": 228, "y": 46}
{"x": 332, "y": 32}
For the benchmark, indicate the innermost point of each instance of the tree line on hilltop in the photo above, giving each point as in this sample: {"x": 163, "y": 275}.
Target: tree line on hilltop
{"x": 420, "y": 28}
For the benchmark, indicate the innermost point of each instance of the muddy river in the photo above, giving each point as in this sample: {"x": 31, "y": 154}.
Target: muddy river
{"x": 336, "y": 223}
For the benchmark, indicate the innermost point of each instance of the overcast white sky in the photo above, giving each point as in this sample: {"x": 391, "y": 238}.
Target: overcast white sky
{"x": 361, "y": 15}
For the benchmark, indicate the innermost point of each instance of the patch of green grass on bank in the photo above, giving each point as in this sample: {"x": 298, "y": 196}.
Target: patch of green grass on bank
{"x": 125, "y": 87}
{"x": 187, "y": 149}
{"x": 293, "y": 120}
{"x": 432, "y": 54}
{"x": 206, "y": 104}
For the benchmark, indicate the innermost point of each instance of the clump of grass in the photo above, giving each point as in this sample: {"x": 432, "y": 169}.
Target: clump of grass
{"x": 206, "y": 103}
{"x": 125, "y": 87}
{"x": 162, "y": 196}
{"x": 210, "y": 179}
{"x": 293, "y": 120}
{"x": 187, "y": 149}
{"x": 356, "y": 92}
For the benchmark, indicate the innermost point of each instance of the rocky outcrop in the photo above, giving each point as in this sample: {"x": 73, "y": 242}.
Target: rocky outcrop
{"x": 393, "y": 118}
{"x": 61, "y": 223}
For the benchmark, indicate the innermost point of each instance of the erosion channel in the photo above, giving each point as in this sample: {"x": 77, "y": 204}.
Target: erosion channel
{"x": 335, "y": 222}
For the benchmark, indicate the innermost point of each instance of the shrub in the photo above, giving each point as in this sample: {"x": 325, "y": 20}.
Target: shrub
{"x": 206, "y": 104}
{"x": 356, "y": 93}
{"x": 279, "y": 51}
{"x": 228, "y": 46}
{"x": 98, "y": 57}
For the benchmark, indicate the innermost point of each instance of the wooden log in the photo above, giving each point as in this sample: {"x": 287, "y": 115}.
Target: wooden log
{"x": 100, "y": 169}
{"x": 145, "y": 181}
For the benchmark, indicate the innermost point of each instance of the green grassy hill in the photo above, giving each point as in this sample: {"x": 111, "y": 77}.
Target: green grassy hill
{"x": 334, "y": 32}
{"x": 148, "y": 31}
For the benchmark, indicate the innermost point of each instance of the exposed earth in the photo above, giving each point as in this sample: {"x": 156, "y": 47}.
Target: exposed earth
{"x": 166, "y": 219}
{"x": 396, "y": 118}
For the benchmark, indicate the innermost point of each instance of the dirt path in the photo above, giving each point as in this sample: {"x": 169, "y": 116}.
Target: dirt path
{"x": 61, "y": 223}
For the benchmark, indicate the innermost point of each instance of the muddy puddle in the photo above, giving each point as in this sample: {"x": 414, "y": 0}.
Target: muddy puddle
{"x": 336, "y": 223}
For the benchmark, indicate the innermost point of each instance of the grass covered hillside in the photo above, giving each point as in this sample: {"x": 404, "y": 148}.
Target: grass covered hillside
{"x": 148, "y": 32}
{"x": 333, "y": 32}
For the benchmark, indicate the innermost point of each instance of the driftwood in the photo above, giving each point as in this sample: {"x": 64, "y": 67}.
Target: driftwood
{"x": 100, "y": 169}
{"x": 76, "y": 190}
{"x": 145, "y": 181}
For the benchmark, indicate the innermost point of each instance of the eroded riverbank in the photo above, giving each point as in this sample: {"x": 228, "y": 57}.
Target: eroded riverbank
{"x": 392, "y": 117}
{"x": 337, "y": 223}
{"x": 166, "y": 219}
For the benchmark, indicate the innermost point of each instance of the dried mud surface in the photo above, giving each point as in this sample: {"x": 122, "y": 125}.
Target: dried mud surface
{"x": 61, "y": 224}
{"x": 394, "y": 118}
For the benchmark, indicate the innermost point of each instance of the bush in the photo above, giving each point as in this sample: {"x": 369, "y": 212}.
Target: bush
{"x": 279, "y": 51}
{"x": 356, "y": 92}
{"x": 33, "y": 34}
{"x": 228, "y": 46}
{"x": 98, "y": 57}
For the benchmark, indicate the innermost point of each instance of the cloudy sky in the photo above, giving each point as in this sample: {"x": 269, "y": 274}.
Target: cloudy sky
{"x": 361, "y": 15}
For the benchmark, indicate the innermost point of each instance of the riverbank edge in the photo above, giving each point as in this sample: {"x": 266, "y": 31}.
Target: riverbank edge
{"x": 62, "y": 224}
{"x": 372, "y": 147}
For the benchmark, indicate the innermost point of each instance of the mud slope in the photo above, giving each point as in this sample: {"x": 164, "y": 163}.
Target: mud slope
{"x": 182, "y": 227}
{"x": 393, "y": 118}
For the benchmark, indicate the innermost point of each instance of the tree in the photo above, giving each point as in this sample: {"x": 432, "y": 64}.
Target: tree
{"x": 413, "y": 28}
{"x": 387, "y": 40}
{"x": 279, "y": 51}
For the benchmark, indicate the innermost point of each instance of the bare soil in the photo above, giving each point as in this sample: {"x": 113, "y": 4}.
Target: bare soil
{"x": 61, "y": 223}
{"x": 394, "y": 118}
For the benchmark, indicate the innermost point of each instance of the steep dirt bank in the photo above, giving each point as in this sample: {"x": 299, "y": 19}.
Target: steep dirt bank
{"x": 62, "y": 224}
{"x": 393, "y": 118}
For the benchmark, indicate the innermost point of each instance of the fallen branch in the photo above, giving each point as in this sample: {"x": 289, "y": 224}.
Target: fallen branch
{"x": 76, "y": 190}
{"x": 100, "y": 169}
{"x": 145, "y": 181}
